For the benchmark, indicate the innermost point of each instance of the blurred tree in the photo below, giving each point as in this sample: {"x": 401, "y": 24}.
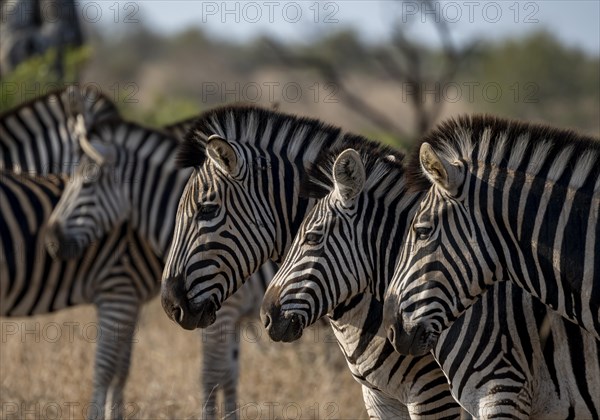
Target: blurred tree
{"x": 164, "y": 110}
{"x": 404, "y": 62}
{"x": 537, "y": 77}
{"x": 124, "y": 54}
{"x": 37, "y": 76}
{"x": 31, "y": 27}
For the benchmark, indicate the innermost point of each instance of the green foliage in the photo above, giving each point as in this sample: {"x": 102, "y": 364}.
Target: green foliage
{"x": 164, "y": 110}
{"x": 401, "y": 143}
{"x": 539, "y": 79}
{"x": 124, "y": 54}
{"x": 38, "y": 76}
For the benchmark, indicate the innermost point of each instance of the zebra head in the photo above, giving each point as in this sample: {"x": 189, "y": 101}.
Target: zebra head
{"x": 444, "y": 265}
{"x": 325, "y": 265}
{"x": 242, "y": 205}
{"x": 91, "y": 204}
{"x": 505, "y": 202}
{"x": 223, "y": 231}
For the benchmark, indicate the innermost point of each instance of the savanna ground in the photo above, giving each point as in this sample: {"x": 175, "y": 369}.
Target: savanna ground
{"x": 46, "y": 370}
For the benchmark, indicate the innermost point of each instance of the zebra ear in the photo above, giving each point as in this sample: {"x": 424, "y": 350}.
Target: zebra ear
{"x": 349, "y": 174}
{"x": 222, "y": 154}
{"x": 438, "y": 169}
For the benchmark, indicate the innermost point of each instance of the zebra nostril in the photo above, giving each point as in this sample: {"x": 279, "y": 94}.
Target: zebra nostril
{"x": 391, "y": 335}
{"x": 267, "y": 321}
{"x": 177, "y": 313}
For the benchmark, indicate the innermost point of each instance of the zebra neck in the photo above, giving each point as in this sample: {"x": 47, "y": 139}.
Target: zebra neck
{"x": 386, "y": 224}
{"x": 358, "y": 328}
{"x": 153, "y": 182}
{"x": 548, "y": 234}
{"x": 36, "y": 138}
{"x": 287, "y": 229}
{"x": 156, "y": 203}
{"x": 281, "y": 195}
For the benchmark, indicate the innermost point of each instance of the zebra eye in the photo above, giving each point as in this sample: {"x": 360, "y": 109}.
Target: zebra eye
{"x": 423, "y": 232}
{"x": 313, "y": 238}
{"x": 206, "y": 211}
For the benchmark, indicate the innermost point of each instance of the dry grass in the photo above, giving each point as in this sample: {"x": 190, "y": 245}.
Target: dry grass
{"x": 44, "y": 377}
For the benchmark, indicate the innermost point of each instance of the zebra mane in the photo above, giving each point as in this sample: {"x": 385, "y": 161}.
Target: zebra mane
{"x": 300, "y": 138}
{"x": 92, "y": 99}
{"x": 133, "y": 137}
{"x": 506, "y": 143}
{"x": 378, "y": 159}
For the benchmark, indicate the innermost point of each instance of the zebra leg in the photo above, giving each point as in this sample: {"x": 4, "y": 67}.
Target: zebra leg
{"x": 117, "y": 320}
{"x": 220, "y": 364}
{"x": 380, "y": 406}
{"x": 115, "y": 404}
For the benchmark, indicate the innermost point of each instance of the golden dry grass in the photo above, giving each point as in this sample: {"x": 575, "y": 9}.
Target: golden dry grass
{"x": 45, "y": 377}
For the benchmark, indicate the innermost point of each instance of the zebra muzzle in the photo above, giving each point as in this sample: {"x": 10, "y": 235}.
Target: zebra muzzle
{"x": 281, "y": 325}
{"x": 286, "y": 327}
{"x": 189, "y": 315}
{"x": 413, "y": 342}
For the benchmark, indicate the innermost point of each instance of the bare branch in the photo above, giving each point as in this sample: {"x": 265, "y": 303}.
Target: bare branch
{"x": 331, "y": 75}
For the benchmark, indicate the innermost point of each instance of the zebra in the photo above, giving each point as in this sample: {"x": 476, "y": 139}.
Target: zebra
{"x": 113, "y": 275}
{"x": 38, "y": 136}
{"x": 243, "y": 206}
{"x": 506, "y": 201}
{"x": 264, "y": 156}
{"x": 136, "y": 181}
{"x": 508, "y": 356}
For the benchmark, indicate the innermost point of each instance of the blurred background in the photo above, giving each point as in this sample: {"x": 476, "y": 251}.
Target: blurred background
{"x": 385, "y": 69}
{"x": 388, "y": 69}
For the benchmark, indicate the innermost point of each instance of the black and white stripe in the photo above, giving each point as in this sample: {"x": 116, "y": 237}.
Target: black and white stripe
{"x": 505, "y": 201}
{"x": 508, "y": 356}
{"x": 116, "y": 275}
{"x": 134, "y": 179}
{"x": 39, "y": 136}
{"x": 242, "y": 206}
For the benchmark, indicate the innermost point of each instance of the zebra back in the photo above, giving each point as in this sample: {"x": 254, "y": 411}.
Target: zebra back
{"x": 39, "y": 137}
